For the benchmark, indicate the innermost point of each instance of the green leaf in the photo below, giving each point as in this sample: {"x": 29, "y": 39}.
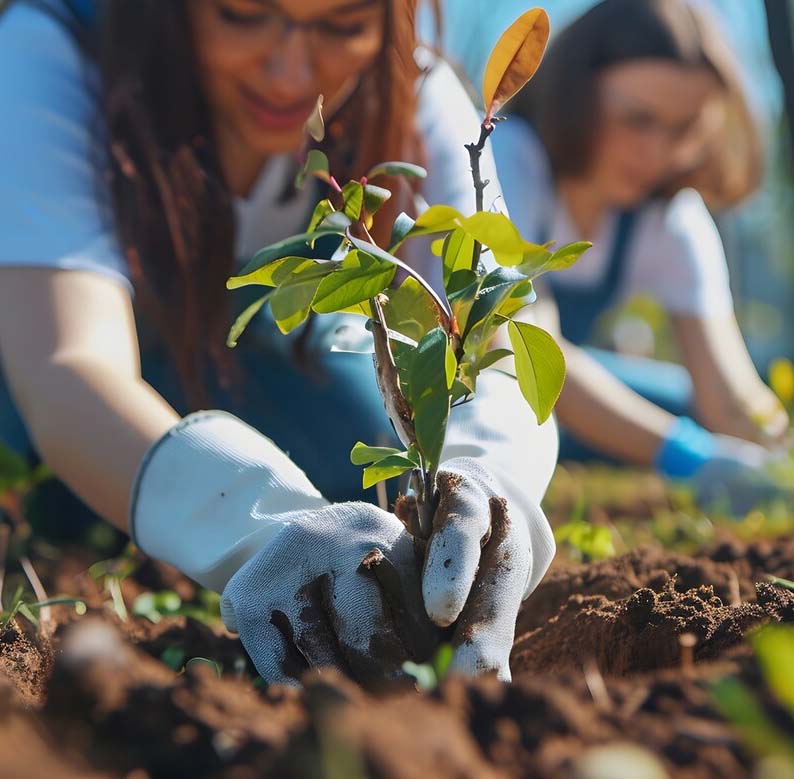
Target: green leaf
{"x": 462, "y": 300}
{"x": 522, "y": 295}
{"x": 274, "y": 274}
{"x": 429, "y": 395}
{"x": 450, "y": 366}
{"x": 244, "y": 320}
{"x": 456, "y": 255}
{"x": 172, "y": 656}
{"x": 13, "y": 467}
{"x": 540, "y": 367}
{"x": 500, "y": 235}
{"x": 361, "y": 454}
{"x": 316, "y": 165}
{"x": 442, "y": 661}
{"x": 387, "y": 468}
{"x": 359, "y": 277}
{"x": 403, "y": 225}
{"x": 774, "y": 647}
{"x": 497, "y": 285}
{"x": 335, "y": 223}
{"x": 564, "y": 257}
{"x": 321, "y": 211}
{"x": 787, "y": 583}
{"x": 737, "y": 703}
{"x": 291, "y": 302}
{"x": 397, "y": 169}
{"x": 353, "y": 195}
{"x": 437, "y": 219}
{"x": 492, "y": 357}
{"x": 410, "y": 310}
{"x": 375, "y": 197}
{"x": 375, "y": 251}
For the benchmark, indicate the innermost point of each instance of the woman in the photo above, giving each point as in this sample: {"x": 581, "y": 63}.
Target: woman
{"x": 635, "y": 117}
{"x": 147, "y": 150}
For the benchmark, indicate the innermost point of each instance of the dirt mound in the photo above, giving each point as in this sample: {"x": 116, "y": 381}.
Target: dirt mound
{"x": 732, "y": 568}
{"x": 646, "y": 631}
{"x": 616, "y": 652}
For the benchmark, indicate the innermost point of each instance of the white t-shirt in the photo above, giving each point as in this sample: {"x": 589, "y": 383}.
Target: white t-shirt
{"x": 674, "y": 254}
{"x": 56, "y": 212}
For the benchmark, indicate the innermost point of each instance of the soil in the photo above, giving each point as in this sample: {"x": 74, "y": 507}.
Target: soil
{"x": 607, "y": 655}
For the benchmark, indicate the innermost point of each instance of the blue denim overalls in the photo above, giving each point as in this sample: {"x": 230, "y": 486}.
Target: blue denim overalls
{"x": 664, "y": 384}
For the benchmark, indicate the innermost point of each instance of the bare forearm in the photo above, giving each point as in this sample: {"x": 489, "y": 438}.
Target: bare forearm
{"x": 604, "y": 413}
{"x": 92, "y": 426}
{"x": 730, "y": 396}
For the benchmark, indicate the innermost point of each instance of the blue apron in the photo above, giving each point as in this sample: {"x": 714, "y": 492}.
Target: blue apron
{"x": 664, "y": 384}
{"x": 580, "y": 307}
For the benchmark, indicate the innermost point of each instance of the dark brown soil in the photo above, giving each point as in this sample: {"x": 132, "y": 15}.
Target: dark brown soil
{"x": 617, "y": 652}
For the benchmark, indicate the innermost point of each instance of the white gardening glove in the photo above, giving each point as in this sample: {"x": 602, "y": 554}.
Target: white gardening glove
{"x": 491, "y": 543}
{"x": 339, "y": 586}
{"x": 224, "y": 505}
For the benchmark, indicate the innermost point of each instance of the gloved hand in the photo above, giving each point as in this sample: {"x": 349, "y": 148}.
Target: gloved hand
{"x": 478, "y": 565}
{"x": 224, "y": 505}
{"x": 491, "y": 543}
{"x": 338, "y": 586}
{"x": 725, "y": 473}
{"x": 734, "y": 478}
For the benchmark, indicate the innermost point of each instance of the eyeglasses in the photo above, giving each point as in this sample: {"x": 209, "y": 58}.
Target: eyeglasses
{"x": 350, "y": 24}
{"x": 641, "y": 119}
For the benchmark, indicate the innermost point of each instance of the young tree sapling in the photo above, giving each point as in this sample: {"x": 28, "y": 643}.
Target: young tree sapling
{"x": 429, "y": 346}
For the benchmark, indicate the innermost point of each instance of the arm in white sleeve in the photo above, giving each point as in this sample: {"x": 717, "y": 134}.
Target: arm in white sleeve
{"x": 212, "y": 493}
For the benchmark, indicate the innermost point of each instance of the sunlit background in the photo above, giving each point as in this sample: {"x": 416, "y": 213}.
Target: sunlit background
{"x": 758, "y": 237}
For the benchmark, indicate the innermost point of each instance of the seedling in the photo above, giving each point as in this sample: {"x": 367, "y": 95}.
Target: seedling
{"x": 430, "y": 346}
{"x": 774, "y": 649}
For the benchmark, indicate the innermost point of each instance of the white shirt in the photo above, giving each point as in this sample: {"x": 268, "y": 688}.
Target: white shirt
{"x": 56, "y": 212}
{"x": 675, "y": 253}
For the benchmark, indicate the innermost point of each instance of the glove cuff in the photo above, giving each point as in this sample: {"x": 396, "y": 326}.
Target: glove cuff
{"x": 685, "y": 449}
{"x": 212, "y": 492}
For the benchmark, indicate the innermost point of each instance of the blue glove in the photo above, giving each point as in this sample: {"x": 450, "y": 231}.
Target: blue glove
{"x": 723, "y": 472}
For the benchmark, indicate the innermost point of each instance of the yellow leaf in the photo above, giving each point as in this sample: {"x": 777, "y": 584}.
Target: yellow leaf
{"x": 781, "y": 379}
{"x": 515, "y": 59}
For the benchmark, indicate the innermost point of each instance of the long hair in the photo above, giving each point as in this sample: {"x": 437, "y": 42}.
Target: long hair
{"x": 173, "y": 208}
{"x": 561, "y": 101}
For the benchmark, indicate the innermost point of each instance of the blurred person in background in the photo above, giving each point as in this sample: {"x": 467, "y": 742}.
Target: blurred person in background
{"x": 634, "y": 122}
{"x": 147, "y": 148}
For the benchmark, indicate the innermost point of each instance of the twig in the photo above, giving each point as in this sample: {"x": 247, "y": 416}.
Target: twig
{"x": 45, "y": 615}
{"x": 475, "y": 152}
{"x": 596, "y": 685}
{"x": 388, "y": 379}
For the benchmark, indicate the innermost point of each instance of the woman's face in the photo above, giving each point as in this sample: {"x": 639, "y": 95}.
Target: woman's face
{"x": 263, "y": 63}
{"x": 655, "y": 118}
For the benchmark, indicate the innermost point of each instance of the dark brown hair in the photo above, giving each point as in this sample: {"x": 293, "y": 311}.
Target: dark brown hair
{"x": 561, "y": 101}
{"x": 173, "y": 209}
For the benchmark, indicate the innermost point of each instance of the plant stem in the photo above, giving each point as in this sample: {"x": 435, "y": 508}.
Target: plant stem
{"x": 475, "y": 152}
{"x": 5, "y": 534}
{"x": 45, "y": 616}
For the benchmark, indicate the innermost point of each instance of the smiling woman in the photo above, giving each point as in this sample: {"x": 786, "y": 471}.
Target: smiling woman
{"x": 262, "y": 68}
{"x": 152, "y": 149}
{"x": 222, "y": 86}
